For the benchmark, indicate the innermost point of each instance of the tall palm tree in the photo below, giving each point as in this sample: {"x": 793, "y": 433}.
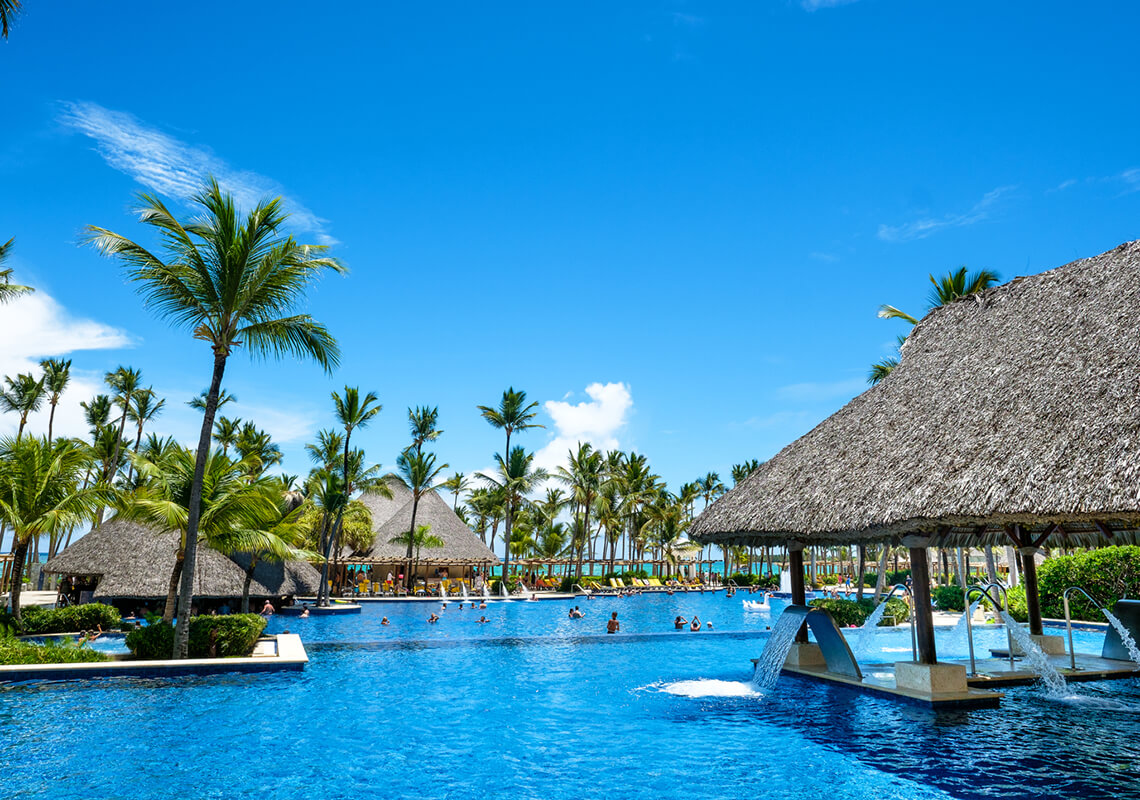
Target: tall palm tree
{"x": 226, "y": 433}
{"x": 147, "y": 406}
{"x": 513, "y": 414}
{"x": 583, "y": 476}
{"x": 456, "y": 484}
{"x": 325, "y": 453}
{"x": 8, "y": 290}
{"x": 8, "y": 11}
{"x": 257, "y": 448}
{"x": 415, "y": 542}
{"x": 97, "y": 412}
{"x": 742, "y": 471}
{"x": 516, "y": 477}
{"x": 953, "y": 286}
{"x": 198, "y": 402}
{"x": 40, "y": 493}
{"x": 424, "y": 425}
{"x": 57, "y": 374}
{"x": 233, "y": 282}
{"x": 420, "y": 472}
{"x": 23, "y": 396}
{"x": 352, "y": 412}
{"x": 667, "y": 525}
{"x": 126, "y": 383}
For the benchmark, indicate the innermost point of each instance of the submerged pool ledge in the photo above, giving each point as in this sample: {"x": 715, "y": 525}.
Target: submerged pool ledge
{"x": 283, "y": 653}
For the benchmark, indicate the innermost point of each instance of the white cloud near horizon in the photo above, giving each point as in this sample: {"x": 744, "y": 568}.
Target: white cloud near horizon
{"x": 173, "y": 167}
{"x": 921, "y": 228}
{"x": 36, "y": 326}
{"x": 598, "y": 421}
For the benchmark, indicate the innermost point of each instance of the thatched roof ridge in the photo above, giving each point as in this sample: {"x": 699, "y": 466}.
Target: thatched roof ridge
{"x": 135, "y": 561}
{"x": 461, "y": 545}
{"x": 1020, "y": 405}
{"x": 384, "y": 508}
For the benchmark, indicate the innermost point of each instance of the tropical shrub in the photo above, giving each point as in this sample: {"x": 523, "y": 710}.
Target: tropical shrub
{"x": 70, "y": 619}
{"x": 845, "y": 612}
{"x": 236, "y": 636}
{"x": 586, "y": 582}
{"x": 1108, "y": 574}
{"x": 948, "y": 598}
{"x": 16, "y": 651}
{"x": 826, "y": 580}
{"x": 763, "y": 581}
{"x": 233, "y": 635}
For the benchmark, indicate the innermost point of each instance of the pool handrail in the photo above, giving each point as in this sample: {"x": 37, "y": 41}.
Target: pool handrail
{"x": 580, "y": 588}
{"x": 983, "y": 589}
{"x": 1069, "y": 620}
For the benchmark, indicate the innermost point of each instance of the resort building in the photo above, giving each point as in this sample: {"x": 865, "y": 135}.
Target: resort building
{"x": 129, "y": 565}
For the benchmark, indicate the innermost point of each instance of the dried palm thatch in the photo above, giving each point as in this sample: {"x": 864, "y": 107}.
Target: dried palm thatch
{"x": 384, "y": 508}
{"x": 460, "y": 544}
{"x": 1013, "y": 412}
{"x": 135, "y": 561}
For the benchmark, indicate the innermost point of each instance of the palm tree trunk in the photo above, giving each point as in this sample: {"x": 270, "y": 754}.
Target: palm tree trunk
{"x": 412, "y": 539}
{"x": 326, "y": 544}
{"x": 862, "y": 571}
{"x": 182, "y": 634}
{"x": 19, "y": 554}
{"x": 881, "y": 578}
{"x": 51, "y": 417}
{"x": 172, "y": 592}
{"x": 248, "y": 583}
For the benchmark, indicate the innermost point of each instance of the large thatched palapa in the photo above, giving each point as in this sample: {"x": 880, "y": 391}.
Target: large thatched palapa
{"x": 133, "y": 561}
{"x": 1013, "y": 417}
{"x": 393, "y": 517}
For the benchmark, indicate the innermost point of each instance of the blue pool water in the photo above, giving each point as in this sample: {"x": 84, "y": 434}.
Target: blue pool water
{"x": 534, "y": 705}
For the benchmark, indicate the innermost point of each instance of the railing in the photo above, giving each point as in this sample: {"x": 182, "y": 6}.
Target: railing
{"x": 580, "y": 588}
{"x": 984, "y": 591}
{"x": 1069, "y": 620}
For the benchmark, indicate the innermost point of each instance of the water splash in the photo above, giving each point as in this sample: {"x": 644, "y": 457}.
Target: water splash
{"x": 1055, "y": 686}
{"x": 864, "y": 643}
{"x": 956, "y": 640}
{"x": 776, "y": 651}
{"x": 1125, "y": 636}
{"x": 463, "y": 590}
{"x": 503, "y": 589}
{"x": 442, "y": 591}
{"x": 703, "y": 687}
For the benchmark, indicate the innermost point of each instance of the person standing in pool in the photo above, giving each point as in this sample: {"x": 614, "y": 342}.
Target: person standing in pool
{"x": 679, "y": 623}
{"x": 267, "y": 609}
{"x": 613, "y": 626}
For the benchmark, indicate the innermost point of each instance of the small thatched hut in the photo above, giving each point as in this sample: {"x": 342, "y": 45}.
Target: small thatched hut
{"x": 126, "y": 563}
{"x": 462, "y": 551}
{"x": 1013, "y": 418}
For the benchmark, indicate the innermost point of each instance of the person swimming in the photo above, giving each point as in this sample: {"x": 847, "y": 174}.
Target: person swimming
{"x": 483, "y": 619}
{"x": 434, "y": 617}
{"x": 384, "y": 621}
{"x": 305, "y": 612}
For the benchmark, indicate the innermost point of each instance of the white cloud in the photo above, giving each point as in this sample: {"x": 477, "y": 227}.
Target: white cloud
{"x": 35, "y": 327}
{"x": 921, "y": 228}
{"x": 175, "y": 168}
{"x": 597, "y": 421}
{"x": 185, "y": 424}
{"x": 1132, "y": 178}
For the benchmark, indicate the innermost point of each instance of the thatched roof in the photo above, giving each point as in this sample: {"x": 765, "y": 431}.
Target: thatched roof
{"x": 460, "y": 544}
{"x": 135, "y": 561}
{"x": 1017, "y": 406}
{"x": 384, "y": 508}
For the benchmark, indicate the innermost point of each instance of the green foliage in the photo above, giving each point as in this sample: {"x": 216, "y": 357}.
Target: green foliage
{"x": 1019, "y": 608}
{"x": 845, "y": 612}
{"x": 948, "y": 598}
{"x": 586, "y": 582}
{"x": 236, "y": 636}
{"x": 893, "y": 577}
{"x": 763, "y": 581}
{"x": 70, "y": 619}
{"x": 16, "y": 651}
{"x": 1108, "y": 574}
{"x": 826, "y": 580}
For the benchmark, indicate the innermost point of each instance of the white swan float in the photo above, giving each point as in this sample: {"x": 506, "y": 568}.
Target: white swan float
{"x": 757, "y": 605}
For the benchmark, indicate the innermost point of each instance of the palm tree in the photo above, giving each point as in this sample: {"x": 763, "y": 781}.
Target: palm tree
{"x": 284, "y": 536}
{"x": 325, "y": 453}
{"x": 742, "y": 471}
{"x": 97, "y": 412}
{"x": 8, "y": 11}
{"x": 513, "y": 414}
{"x": 456, "y": 484}
{"x": 233, "y": 515}
{"x": 40, "y": 493}
{"x": 24, "y": 395}
{"x": 126, "y": 383}
{"x": 257, "y": 448}
{"x": 952, "y": 286}
{"x": 584, "y": 478}
{"x": 516, "y": 477}
{"x": 226, "y": 432}
{"x": 419, "y": 471}
{"x": 198, "y": 403}
{"x": 415, "y": 541}
{"x": 667, "y": 525}
{"x": 57, "y": 374}
{"x": 147, "y": 406}
{"x": 423, "y": 422}
{"x": 352, "y": 411}
{"x": 8, "y": 290}
{"x": 233, "y": 283}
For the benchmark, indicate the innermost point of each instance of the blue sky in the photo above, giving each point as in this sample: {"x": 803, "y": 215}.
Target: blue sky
{"x": 670, "y": 223}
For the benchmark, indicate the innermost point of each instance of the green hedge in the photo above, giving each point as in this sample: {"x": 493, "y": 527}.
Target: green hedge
{"x": 855, "y": 612}
{"x": 869, "y": 578}
{"x": 586, "y": 581}
{"x": 70, "y": 619}
{"x": 236, "y": 636}
{"x": 948, "y": 598}
{"x": 15, "y": 651}
{"x": 1108, "y": 574}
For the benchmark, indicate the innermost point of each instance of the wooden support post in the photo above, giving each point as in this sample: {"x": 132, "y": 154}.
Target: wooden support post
{"x": 1032, "y": 599}
{"x": 923, "y": 618}
{"x": 799, "y": 596}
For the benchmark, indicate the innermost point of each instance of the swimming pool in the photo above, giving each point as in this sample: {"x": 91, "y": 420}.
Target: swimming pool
{"x": 534, "y": 705}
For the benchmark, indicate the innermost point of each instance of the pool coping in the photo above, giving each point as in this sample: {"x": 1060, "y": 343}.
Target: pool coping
{"x": 290, "y": 656}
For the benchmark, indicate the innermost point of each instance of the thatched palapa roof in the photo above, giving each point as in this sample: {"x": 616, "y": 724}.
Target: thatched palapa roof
{"x": 1017, "y": 406}
{"x": 460, "y": 544}
{"x": 135, "y": 561}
